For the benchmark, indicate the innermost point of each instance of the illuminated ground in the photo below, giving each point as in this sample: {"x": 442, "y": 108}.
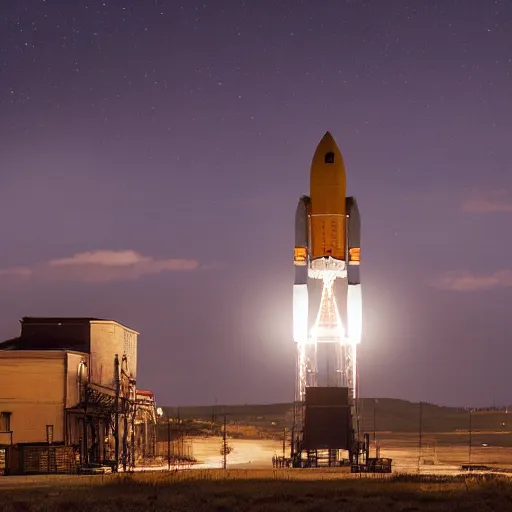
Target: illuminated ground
{"x": 404, "y": 451}
{"x": 249, "y": 454}
{"x": 435, "y": 459}
{"x": 246, "y": 453}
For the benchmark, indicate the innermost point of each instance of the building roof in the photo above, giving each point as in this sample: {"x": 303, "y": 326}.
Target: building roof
{"x": 32, "y": 339}
{"x": 61, "y": 320}
{"x": 39, "y": 354}
{"x": 43, "y": 343}
{"x": 68, "y": 320}
{"x": 144, "y": 392}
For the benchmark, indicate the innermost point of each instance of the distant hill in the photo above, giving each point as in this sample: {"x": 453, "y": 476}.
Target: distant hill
{"x": 382, "y": 414}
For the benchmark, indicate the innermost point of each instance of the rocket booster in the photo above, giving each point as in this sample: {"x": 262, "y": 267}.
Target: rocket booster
{"x": 300, "y": 285}
{"x": 354, "y": 295}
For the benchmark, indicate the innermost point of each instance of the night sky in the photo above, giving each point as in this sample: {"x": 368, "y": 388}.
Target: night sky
{"x": 152, "y": 153}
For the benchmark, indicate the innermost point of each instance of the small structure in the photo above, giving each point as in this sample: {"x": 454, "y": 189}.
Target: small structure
{"x": 68, "y": 388}
{"x": 145, "y": 427}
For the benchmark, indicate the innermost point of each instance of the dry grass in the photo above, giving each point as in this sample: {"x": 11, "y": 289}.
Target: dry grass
{"x": 246, "y": 432}
{"x": 261, "y": 491}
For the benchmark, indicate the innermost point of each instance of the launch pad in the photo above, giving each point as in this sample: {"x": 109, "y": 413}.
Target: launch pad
{"x": 324, "y": 428}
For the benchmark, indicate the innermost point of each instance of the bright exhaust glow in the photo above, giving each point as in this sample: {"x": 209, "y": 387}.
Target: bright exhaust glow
{"x": 329, "y": 353}
{"x": 327, "y": 268}
{"x": 300, "y": 313}
{"x": 354, "y": 313}
{"x": 328, "y": 326}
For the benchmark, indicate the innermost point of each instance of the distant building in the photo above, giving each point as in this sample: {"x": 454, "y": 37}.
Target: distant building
{"x": 64, "y": 381}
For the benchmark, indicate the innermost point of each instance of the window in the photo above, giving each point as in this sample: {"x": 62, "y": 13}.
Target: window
{"x": 130, "y": 350}
{"x": 329, "y": 157}
{"x": 5, "y": 421}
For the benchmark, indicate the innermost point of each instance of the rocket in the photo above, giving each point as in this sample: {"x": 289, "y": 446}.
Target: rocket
{"x": 327, "y": 248}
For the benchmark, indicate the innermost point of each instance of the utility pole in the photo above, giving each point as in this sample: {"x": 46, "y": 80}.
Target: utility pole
{"x": 132, "y": 438}
{"x": 470, "y": 433}
{"x": 181, "y": 443}
{"x": 375, "y": 401}
{"x": 420, "y": 435}
{"x": 85, "y": 431}
{"x": 224, "y": 444}
{"x": 284, "y": 444}
{"x": 374, "y": 420}
{"x": 125, "y": 433}
{"x": 116, "y": 411}
{"x": 168, "y": 443}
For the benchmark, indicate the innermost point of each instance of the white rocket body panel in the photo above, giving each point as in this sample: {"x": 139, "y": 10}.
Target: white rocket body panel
{"x": 300, "y": 313}
{"x": 354, "y": 313}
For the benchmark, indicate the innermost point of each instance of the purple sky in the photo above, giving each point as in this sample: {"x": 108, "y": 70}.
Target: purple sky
{"x": 176, "y": 138}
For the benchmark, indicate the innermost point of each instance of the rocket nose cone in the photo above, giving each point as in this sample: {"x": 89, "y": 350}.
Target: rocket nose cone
{"x": 327, "y": 137}
{"x": 328, "y": 141}
{"x": 326, "y": 145}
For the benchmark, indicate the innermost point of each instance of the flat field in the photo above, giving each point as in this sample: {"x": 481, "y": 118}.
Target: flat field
{"x": 434, "y": 457}
{"x": 255, "y": 491}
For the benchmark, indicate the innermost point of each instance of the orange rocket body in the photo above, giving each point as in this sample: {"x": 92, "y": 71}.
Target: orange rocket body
{"x": 328, "y": 189}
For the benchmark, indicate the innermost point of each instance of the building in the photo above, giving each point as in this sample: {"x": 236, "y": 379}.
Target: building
{"x": 71, "y": 382}
{"x": 145, "y": 427}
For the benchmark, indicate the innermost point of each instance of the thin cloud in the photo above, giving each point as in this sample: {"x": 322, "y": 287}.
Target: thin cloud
{"x": 460, "y": 281}
{"x": 101, "y": 266}
{"x": 106, "y": 258}
{"x": 476, "y": 200}
{"x": 21, "y": 272}
{"x": 489, "y": 201}
{"x": 427, "y": 197}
